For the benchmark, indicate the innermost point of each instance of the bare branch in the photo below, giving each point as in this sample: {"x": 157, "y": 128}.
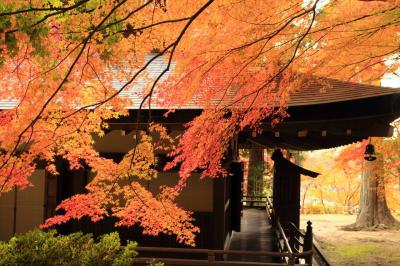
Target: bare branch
{"x": 38, "y": 9}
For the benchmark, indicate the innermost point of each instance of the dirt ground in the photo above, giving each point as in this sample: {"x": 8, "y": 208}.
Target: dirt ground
{"x": 353, "y": 247}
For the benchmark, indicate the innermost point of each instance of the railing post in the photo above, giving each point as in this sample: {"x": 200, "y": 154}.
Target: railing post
{"x": 308, "y": 242}
{"x": 292, "y": 259}
{"x": 211, "y": 258}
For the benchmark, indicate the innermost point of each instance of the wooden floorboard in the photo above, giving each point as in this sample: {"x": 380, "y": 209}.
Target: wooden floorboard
{"x": 256, "y": 235}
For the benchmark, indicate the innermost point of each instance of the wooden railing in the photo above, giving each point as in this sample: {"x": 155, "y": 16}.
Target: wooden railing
{"x": 254, "y": 201}
{"x": 212, "y": 257}
{"x": 291, "y": 239}
{"x": 284, "y": 255}
{"x": 299, "y": 241}
{"x": 270, "y": 212}
{"x": 283, "y": 243}
{"x": 318, "y": 256}
{"x": 295, "y": 247}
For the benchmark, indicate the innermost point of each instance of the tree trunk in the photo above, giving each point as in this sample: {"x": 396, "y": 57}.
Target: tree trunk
{"x": 304, "y": 197}
{"x": 321, "y": 197}
{"x": 256, "y": 172}
{"x": 374, "y": 212}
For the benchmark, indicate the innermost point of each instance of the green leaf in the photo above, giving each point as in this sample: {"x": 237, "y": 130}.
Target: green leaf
{"x": 5, "y": 21}
{"x": 11, "y": 44}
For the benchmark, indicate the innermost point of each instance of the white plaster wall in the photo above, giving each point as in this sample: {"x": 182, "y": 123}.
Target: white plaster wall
{"x": 196, "y": 196}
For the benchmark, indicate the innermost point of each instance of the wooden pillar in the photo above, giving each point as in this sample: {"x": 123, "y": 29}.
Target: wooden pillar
{"x": 15, "y": 210}
{"x": 286, "y": 194}
{"x": 286, "y": 188}
{"x": 236, "y": 171}
{"x": 218, "y": 213}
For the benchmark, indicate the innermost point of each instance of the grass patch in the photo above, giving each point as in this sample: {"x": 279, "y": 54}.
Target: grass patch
{"x": 358, "y": 250}
{"x": 364, "y": 254}
{"x": 353, "y": 248}
{"x": 394, "y": 259}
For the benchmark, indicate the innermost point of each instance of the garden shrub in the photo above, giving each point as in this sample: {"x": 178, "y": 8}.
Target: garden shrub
{"x": 47, "y": 248}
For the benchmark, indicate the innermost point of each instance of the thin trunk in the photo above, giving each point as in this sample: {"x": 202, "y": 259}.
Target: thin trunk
{"x": 398, "y": 174}
{"x": 350, "y": 197}
{"x": 304, "y": 197}
{"x": 322, "y": 199}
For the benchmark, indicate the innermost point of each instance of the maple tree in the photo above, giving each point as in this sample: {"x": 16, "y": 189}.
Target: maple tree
{"x": 337, "y": 189}
{"x": 61, "y": 59}
{"x": 390, "y": 148}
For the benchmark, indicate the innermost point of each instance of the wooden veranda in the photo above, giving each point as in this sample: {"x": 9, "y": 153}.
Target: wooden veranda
{"x": 262, "y": 241}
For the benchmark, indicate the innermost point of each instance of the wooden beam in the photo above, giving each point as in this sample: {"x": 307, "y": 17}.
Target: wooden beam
{"x": 302, "y": 133}
{"x": 127, "y": 126}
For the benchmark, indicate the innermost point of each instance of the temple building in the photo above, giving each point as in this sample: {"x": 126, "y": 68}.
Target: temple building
{"x": 319, "y": 119}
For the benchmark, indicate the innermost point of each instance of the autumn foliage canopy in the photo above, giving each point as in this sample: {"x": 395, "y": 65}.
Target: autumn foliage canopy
{"x": 66, "y": 63}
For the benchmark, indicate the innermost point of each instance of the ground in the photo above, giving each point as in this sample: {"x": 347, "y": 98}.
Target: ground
{"x": 353, "y": 247}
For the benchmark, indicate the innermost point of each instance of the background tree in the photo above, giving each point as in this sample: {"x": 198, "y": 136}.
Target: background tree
{"x": 373, "y": 208}
{"x": 374, "y": 211}
{"x": 255, "y": 179}
{"x": 390, "y": 148}
{"x": 337, "y": 189}
{"x": 65, "y": 64}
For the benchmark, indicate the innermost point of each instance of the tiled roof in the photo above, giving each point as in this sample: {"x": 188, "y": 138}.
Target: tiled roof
{"x": 330, "y": 91}
{"x": 318, "y": 91}
{"x": 6, "y": 104}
